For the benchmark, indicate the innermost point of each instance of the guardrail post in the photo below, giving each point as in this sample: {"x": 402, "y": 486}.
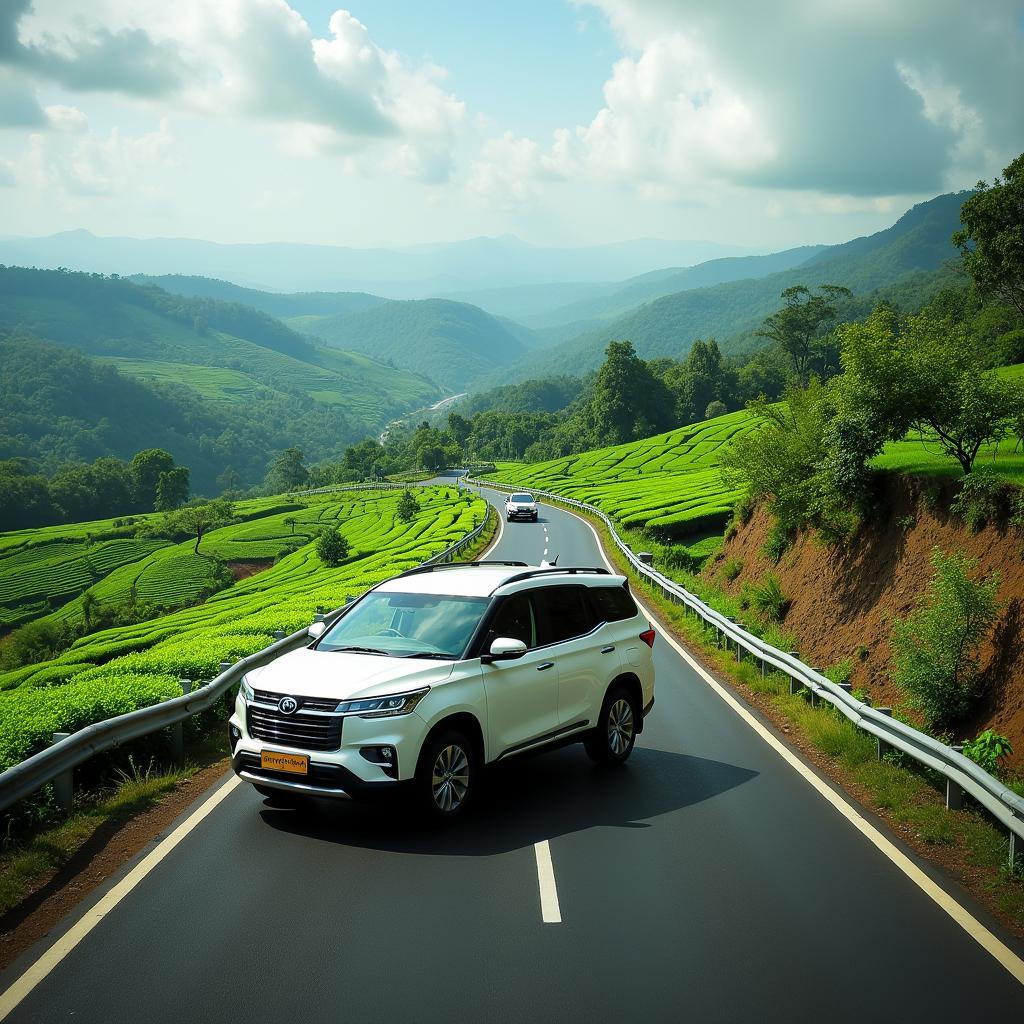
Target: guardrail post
{"x": 646, "y": 557}
{"x": 739, "y": 649}
{"x": 177, "y": 731}
{"x": 279, "y": 634}
{"x": 1013, "y": 852}
{"x": 884, "y": 748}
{"x": 848, "y": 687}
{"x": 815, "y": 699}
{"x": 64, "y": 784}
{"x": 795, "y": 686}
{"x": 955, "y": 797}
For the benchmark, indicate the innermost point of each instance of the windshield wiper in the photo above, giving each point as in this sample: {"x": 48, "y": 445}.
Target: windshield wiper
{"x": 440, "y": 655}
{"x": 359, "y": 650}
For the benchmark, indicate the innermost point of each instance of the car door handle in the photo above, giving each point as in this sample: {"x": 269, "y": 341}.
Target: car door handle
{"x": 608, "y": 649}
{"x": 546, "y": 664}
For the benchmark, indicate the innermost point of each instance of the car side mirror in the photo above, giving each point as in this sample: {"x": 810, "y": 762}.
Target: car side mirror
{"x": 504, "y": 648}
{"x": 316, "y": 630}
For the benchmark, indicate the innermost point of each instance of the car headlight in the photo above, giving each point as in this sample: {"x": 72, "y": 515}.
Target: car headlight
{"x": 247, "y": 690}
{"x": 383, "y": 707}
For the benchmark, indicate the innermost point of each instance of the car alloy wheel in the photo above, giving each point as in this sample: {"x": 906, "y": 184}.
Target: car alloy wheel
{"x": 449, "y": 781}
{"x": 621, "y": 726}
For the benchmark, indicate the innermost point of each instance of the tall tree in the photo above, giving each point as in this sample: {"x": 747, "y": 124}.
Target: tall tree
{"x": 146, "y": 467}
{"x": 798, "y": 327}
{"x": 991, "y": 241}
{"x": 628, "y": 401}
{"x": 288, "y": 471}
{"x": 172, "y": 489}
{"x": 202, "y": 518}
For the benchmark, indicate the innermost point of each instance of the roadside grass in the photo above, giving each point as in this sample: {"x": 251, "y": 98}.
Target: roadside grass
{"x": 911, "y": 797}
{"x": 27, "y": 862}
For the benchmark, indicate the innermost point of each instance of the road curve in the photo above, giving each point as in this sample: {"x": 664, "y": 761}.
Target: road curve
{"x": 706, "y": 881}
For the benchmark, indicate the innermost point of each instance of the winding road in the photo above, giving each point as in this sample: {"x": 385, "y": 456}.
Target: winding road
{"x": 709, "y": 880}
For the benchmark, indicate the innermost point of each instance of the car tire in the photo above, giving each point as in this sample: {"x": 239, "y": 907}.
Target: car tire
{"x": 447, "y": 776}
{"x": 611, "y": 740}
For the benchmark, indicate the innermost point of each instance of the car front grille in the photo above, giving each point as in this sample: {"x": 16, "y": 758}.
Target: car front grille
{"x": 305, "y": 729}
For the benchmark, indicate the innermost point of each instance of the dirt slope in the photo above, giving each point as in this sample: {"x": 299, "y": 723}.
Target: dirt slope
{"x": 844, "y": 599}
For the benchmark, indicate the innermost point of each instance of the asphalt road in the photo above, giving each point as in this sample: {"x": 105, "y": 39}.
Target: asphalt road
{"x": 705, "y": 881}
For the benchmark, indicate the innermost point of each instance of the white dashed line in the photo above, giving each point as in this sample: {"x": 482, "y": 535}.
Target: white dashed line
{"x": 550, "y": 912}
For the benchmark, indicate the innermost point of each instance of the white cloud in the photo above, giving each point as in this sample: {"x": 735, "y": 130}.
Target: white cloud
{"x": 63, "y": 118}
{"x": 256, "y": 59}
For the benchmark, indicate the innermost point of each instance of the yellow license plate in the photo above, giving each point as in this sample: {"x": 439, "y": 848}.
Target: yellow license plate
{"x": 297, "y": 764}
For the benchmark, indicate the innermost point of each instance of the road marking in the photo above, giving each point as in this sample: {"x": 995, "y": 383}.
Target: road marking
{"x": 545, "y": 551}
{"x": 10, "y": 999}
{"x": 549, "y": 910}
{"x": 970, "y": 924}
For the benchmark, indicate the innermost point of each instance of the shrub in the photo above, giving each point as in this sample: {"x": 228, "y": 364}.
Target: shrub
{"x": 408, "y": 506}
{"x": 331, "y": 546}
{"x": 986, "y": 750}
{"x": 777, "y": 542}
{"x": 936, "y": 647}
{"x": 732, "y": 568}
{"x": 767, "y": 597}
{"x": 743, "y": 510}
{"x": 981, "y": 498}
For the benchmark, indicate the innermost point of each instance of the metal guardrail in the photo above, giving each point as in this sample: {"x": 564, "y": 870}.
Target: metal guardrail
{"x": 961, "y": 773}
{"x": 57, "y": 761}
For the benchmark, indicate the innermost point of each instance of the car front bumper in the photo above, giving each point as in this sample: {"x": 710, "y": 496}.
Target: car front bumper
{"x": 521, "y": 513}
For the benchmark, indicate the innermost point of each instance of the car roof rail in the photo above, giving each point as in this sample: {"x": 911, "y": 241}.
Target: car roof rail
{"x": 553, "y": 570}
{"x": 456, "y": 565}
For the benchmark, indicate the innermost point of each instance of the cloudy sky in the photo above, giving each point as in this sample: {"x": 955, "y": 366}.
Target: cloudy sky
{"x": 761, "y": 123}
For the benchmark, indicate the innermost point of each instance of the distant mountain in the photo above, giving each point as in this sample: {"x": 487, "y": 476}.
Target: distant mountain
{"x": 416, "y": 272}
{"x": 916, "y": 248}
{"x": 243, "y": 369}
{"x": 279, "y": 304}
{"x": 452, "y": 343}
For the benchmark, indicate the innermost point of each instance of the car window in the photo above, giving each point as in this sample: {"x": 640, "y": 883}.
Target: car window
{"x": 612, "y": 604}
{"x": 564, "y": 612}
{"x": 515, "y": 618}
{"x": 521, "y": 498}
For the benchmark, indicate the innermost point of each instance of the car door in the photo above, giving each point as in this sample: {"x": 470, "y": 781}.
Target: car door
{"x": 569, "y": 629}
{"x": 522, "y": 694}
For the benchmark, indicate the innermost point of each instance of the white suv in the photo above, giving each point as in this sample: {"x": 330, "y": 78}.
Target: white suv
{"x": 441, "y": 670}
{"x": 520, "y": 506}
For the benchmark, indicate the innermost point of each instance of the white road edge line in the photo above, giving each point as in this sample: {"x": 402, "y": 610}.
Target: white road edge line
{"x": 970, "y": 924}
{"x": 550, "y": 912}
{"x": 10, "y": 999}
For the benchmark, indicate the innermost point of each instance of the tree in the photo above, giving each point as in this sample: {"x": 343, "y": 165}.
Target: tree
{"x": 172, "y": 489}
{"x": 702, "y": 378}
{"x": 199, "y": 519}
{"x": 921, "y": 372}
{"x": 714, "y": 409}
{"x": 26, "y": 497}
{"x": 936, "y": 647}
{"x": 287, "y": 472}
{"x": 89, "y": 604}
{"x": 797, "y": 328}
{"x": 991, "y": 241}
{"x": 408, "y": 506}
{"x": 146, "y": 469}
{"x": 331, "y": 546}
{"x": 628, "y": 401}
{"x": 291, "y": 522}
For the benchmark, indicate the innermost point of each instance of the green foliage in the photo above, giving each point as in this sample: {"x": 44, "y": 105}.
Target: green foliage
{"x": 288, "y": 472}
{"x": 767, "y": 597}
{"x": 731, "y": 568}
{"x": 200, "y": 518}
{"x": 172, "y": 489}
{"x": 982, "y": 498}
{"x": 991, "y": 241}
{"x": 798, "y": 328}
{"x": 936, "y": 647}
{"x": 331, "y": 546}
{"x": 778, "y": 542}
{"x": 987, "y": 749}
{"x": 408, "y": 507}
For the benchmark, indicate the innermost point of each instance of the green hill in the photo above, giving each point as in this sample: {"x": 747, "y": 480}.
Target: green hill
{"x": 452, "y": 343}
{"x": 233, "y": 384}
{"x": 917, "y": 247}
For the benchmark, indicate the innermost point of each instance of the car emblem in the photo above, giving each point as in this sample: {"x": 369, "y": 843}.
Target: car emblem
{"x": 287, "y": 705}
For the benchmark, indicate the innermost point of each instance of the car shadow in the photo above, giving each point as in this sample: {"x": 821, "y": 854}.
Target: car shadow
{"x": 523, "y": 802}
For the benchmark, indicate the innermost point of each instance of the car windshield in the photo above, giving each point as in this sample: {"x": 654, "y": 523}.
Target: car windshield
{"x": 522, "y": 497}
{"x": 407, "y": 625}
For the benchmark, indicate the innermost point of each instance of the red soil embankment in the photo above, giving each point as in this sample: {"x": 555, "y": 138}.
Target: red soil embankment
{"x": 243, "y": 570}
{"x": 844, "y": 598}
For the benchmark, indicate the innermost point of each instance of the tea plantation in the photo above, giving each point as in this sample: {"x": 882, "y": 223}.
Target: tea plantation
{"x": 113, "y": 671}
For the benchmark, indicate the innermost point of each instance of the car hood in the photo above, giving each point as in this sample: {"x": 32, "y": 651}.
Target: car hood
{"x": 312, "y": 673}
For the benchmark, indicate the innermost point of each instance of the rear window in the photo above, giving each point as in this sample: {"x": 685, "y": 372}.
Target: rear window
{"x": 521, "y": 497}
{"x": 613, "y": 604}
{"x": 564, "y": 613}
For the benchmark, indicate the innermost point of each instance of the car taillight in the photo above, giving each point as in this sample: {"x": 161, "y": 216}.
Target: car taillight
{"x": 648, "y": 636}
